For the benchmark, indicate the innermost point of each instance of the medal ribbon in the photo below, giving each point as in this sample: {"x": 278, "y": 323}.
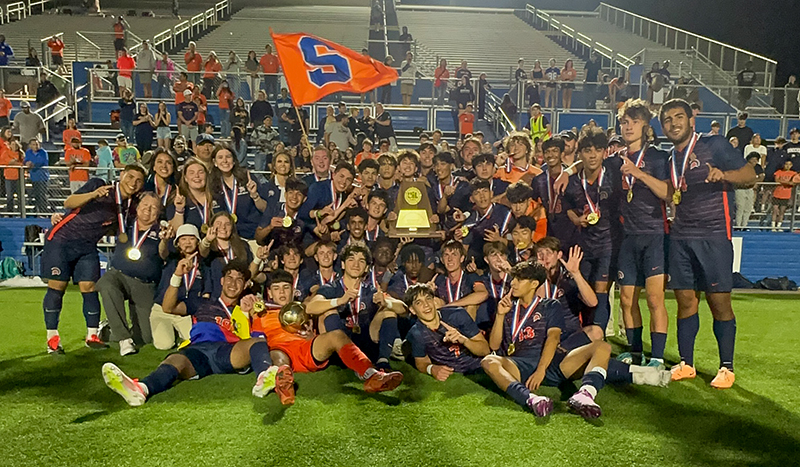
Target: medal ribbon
{"x": 452, "y": 182}
{"x": 137, "y": 242}
{"x": 548, "y": 293}
{"x": 120, "y": 216}
{"x": 458, "y": 288}
{"x": 510, "y": 166}
{"x": 639, "y": 158}
{"x": 677, "y": 181}
{"x": 353, "y": 312}
{"x": 167, "y": 191}
{"x": 592, "y": 206}
{"x": 375, "y": 233}
{"x": 322, "y": 280}
{"x": 552, "y": 196}
{"x": 224, "y": 307}
{"x": 516, "y": 329}
{"x": 495, "y": 294}
{"x": 188, "y": 279}
{"x": 231, "y": 203}
{"x": 335, "y": 197}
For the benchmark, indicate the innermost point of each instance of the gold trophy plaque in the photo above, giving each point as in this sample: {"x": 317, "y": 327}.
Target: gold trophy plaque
{"x": 413, "y": 209}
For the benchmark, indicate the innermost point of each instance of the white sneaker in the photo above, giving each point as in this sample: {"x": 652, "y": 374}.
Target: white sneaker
{"x": 265, "y": 382}
{"x": 126, "y": 347}
{"x": 397, "y": 350}
{"x": 650, "y": 376}
{"x": 120, "y": 383}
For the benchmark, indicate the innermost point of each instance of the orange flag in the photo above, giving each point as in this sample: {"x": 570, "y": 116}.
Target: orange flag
{"x": 315, "y": 67}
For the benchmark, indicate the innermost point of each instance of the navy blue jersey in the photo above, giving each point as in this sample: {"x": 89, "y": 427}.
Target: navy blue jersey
{"x": 516, "y": 255}
{"x": 313, "y": 279}
{"x": 531, "y": 332}
{"x": 282, "y": 235}
{"x": 169, "y": 191}
{"x": 346, "y": 240}
{"x": 393, "y": 192}
{"x": 194, "y": 213}
{"x": 147, "y": 268}
{"x": 459, "y": 199}
{"x": 214, "y": 264}
{"x": 559, "y": 224}
{"x": 366, "y": 309}
{"x": 87, "y": 224}
{"x": 705, "y": 209}
{"x": 379, "y": 280}
{"x": 604, "y": 235}
{"x": 313, "y": 178}
{"x": 496, "y": 289}
{"x": 565, "y": 290}
{"x": 426, "y": 342}
{"x": 467, "y": 173}
{"x": 214, "y": 321}
{"x": 247, "y": 214}
{"x": 496, "y": 216}
{"x": 399, "y": 283}
{"x": 451, "y": 291}
{"x": 319, "y": 195}
{"x": 199, "y": 283}
{"x": 645, "y": 213}
{"x": 498, "y": 186}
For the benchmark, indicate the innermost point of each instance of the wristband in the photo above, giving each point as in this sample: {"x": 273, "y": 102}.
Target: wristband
{"x": 257, "y": 261}
{"x": 205, "y": 243}
{"x": 175, "y": 281}
{"x": 569, "y": 171}
{"x": 335, "y": 302}
{"x": 316, "y": 214}
{"x": 429, "y": 369}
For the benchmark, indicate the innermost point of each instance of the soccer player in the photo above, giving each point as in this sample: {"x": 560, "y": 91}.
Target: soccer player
{"x": 471, "y": 148}
{"x": 641, "y": 256}
{"x": 449, "y": 191}
{"x": 378, "y": 203}
{"x": 353, "y": 305}
{"x": 280, "y": 222}
{"x": 355, "y": 231}
{"x": 458, "y": 287}
{"x": 488, "y": 221}
{"x": 220, "y": 344}
{"x": 305, "y": 351}
{"x": 325, "y": 256}
{"x": 71, "y": 248}
{"x": 328, "y": 200}
{"x": 290, "y": 259}
{"x": 522, "y": 204}
{"x": 443, "y": 340}
{"x": 566, "y": 284}
{"x": 518, "y": 166}
{"x": 384, "y": 248}
{"x": 497, "y": 281}
{"x": 559, "y": 224}
{"x": 704, "y": 170}
{"x": 485, "y": 168}
{"x": 521, "y": 236}
{"x": 412, "y": 263}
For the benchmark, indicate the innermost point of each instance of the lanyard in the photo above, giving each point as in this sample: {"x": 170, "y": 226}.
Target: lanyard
{"x": 592, "y": 206}
{"x": 233, "y": 200}
{"x": 515, "y": 329}
{"x": 678, "y": 182}
{"x": 458, "y": 288}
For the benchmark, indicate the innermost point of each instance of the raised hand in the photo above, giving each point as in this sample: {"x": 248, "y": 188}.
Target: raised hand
{"x": 493, "y": 235}
{"x": 453, "y": 335}
{"x": 351, "y": 294}
{"x": 629, "y": 168}
{"x": 458, "y": 216}
{"x": 379, "y": 298}
{"x": 211, "y": 235}
{"x": 167, "y": 232}
{"x": 573, "y": 263}
{"x": 179, "y": 202}
{"x": 101, "y": 192}
{"x": 56, "y": 218}
{"x": 263, "y": 251}
{"x": 504, "y": 305}
{"x": 472, "y": 267}
{"x": 714, "y": 174}
{"x": 449, "y": 190}
{"x": 185, "y": 265}
{"x": 246, "y": 304}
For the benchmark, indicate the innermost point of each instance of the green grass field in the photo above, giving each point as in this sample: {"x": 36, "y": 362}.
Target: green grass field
{"x": 56, "y": 410}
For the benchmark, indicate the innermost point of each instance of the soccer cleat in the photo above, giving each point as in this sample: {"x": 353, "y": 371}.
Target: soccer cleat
{"x": 381, "y": 382}
{"x": 284, "y": 385}
{"x": 54, "y": 345}
{"x": 583, "y": 403}
{"x": 724, "y": 379}
{"x": 656, "y": 363}
{"x": 104, "y": 331}
{"x": 119, "y": 382}
{"x": 265, "y": 382}
{"x": 650, "y": 376}
{"x": 541, "y": 406}
{"x": 397, "y": 350}
{"x": 625, "y": 357}
{"x": 94, "y": 342}
{"x": 682, "y": 371}
{"x": 126, "y": 347}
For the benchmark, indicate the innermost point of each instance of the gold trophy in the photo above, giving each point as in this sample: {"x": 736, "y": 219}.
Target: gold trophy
{"x": 413, "y": 209}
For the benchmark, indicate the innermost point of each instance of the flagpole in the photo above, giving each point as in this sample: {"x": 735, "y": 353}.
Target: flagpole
{"x": 303, "y": 129}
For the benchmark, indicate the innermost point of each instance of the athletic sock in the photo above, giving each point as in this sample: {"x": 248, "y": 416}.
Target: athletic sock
{"x": 687, "y": 333}
{"x": 725, "y": 332}
{"x": 91, "y": 332}
{"x": 161, "y": 379}
{"x": 332, "y": 323}
{"x": 51, "y": 333}
{"x": 259, "y": 357}
{"x": 91, "y": 309}
{"x": 519, "y": 393}
{"x": 601, "y": 311}
{"x": 593, "y": 380}
{"x": 619, "y": 373}
{"x": 355, "y": 359}
{"x": 634, "y": 336}
{"x": 51, "y": 304}
{"x": 658, "y": 341}
{"x": 386, "y": 336}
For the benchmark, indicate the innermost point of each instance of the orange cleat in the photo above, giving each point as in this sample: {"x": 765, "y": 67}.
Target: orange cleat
{"x": 380, "y": 381}
{"x": 54, "y": 345}
{"x": 94, "y": 342}
{"x": 724, "y": 379}
{"x": 683, "y": 371}
{"x": 284, "y": 385}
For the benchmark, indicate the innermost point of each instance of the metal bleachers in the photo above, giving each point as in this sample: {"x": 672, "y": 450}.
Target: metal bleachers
{"x": 490, "y": 40}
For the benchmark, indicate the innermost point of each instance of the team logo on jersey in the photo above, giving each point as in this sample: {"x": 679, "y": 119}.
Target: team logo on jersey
{"x": 694, "y": 162}
{"x": 55, "y": 271}
{"x": 620, "y": 275}
{"x": 603, "y": 194}
{"x": 537, "y": 316}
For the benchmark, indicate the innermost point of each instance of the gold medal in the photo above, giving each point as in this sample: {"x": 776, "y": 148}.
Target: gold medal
{"x": 676, "y": 197}
{"x": 356, "y": 329}
{"x": 593, "y": 218}
{"x": 521, "y": 246}
{"x": 336, "y": 225}
{"x": 511, "y": 348}
{"x": 287, "y": 222}
{"x": 204, "y": 228}
{"x": 630, "y": 195}
{"x": 234, "y": 218}
{"x": 134, "y": 254}
{"x": 123, "y": 237}
{"x": 464, "y": 231}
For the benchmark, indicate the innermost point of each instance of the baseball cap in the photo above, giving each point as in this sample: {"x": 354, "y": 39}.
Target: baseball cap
{"x": 25, "y": 104}
{"x": 616, "y": 139}
{"x": 568, "y": 134}
{"x": 204, "y": 138}
{"x": 186, "y": 229}
{"x": 120, "y": 136}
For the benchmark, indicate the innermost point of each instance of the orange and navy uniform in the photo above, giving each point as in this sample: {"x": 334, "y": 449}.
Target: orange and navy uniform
{"x": 296, "y": 347}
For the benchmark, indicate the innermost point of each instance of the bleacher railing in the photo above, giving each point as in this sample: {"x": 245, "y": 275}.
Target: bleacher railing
{"x": 726, "y": 57}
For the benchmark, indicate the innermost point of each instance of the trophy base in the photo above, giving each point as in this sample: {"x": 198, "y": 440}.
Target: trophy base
{"x": 418, "y": 233}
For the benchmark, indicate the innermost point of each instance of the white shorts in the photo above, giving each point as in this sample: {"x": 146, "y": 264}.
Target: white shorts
{"x": 163, "y": 132}
{"x": 125, "y": 82}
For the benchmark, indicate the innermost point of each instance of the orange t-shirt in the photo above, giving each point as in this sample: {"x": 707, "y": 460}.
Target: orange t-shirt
{"x": 5, "y": 107}
{"x": 512, "y": 174}
{"x": 193, "y": 64}
{"x": 467, "y": 120}
{"x": 56, "y": 47}
{"x": 569, "y": 75}
{"x": 269, "y": 63}
{"x": 119, "y": 31}
{"x": 225, "y": 97}
{"x": 69, "y": 134}
{"x": 783, "y": 191}
{"x": 364, "y": 155}
{"x": 9, "y": 157}
{"x": 80, "y": 155}
{"x": 212, "y": 69}
{"x": 179, "y": 87}
{"x": 268, "y": 324}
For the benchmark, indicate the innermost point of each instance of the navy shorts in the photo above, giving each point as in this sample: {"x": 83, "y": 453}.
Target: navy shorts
{"x": 209, "y": 358}
{"x": 599, "y": 268}
{"x": 552, "y": 377}
{"x": 704, "y": 265}
{"x": 62, "y": 261}
{"x": 640, "y": 257}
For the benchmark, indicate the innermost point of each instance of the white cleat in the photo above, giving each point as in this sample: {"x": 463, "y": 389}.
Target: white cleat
{"x": 650, "y": 376}
{"x": 265, "y": 382}
{"x": 126, "y": 347}
{"x": 126, "y": 387}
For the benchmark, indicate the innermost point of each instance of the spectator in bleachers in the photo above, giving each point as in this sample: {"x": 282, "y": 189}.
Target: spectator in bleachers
{"x": 225, "y": 97}
{"x": 635, "y": 74}
{"x": 181, "y": 86}
{"x": 715, "y": 127}
{"x": 35, "y": 160}
{"x": 746, "y": 79}
{"x": 508, "y": 106}
{"x": 755, "y": 146}
{"x": 741, "y": 131}
{"x": 46, "y": 91}
{"x": 366, "y": 124}
{"x": 105, "y": 160}
{"x": 264, "y": 137}
{"x": 568, "y": 74}
{"x": 408, "y": 77}
{"x": 792, "y": 95}
{"x": 734, "y": 142}
{"x": 746, "y": 195}
{"x": 240, "y": 116}
{"x": 127, "y": 110}
{"x": 591, "y": 71}
{"x": 340, "y": 133}
{"x": 71, "y": 131}
{"x": 164, "y": 69}
{"x": 782, "y": 194}
{"x": 162, "y": 120}
{"x": 125, "y": 154}
{"x": 212, "y": 68}
{"x": 193, "y": 62}
{"x": 352, "y": 122}
{"x": 441, "y": 75}
{"x": 326, "y": 123}
{"x": 406, "y": 39}
{"x": 483, "y": 88}
{"x": 125, "y": 66}
{"x": 202, "y": 106}
{"x": 260, "y": 109}
{"x": 462, "y": 71}
{"x": 239, "y": 145}
{"x": 386, "y": 90}
{"x": 76, "y": 156}
{"x": 384, "y": 128}
{"x": 297, "y": 119}
{"x": 120, "y": 26}
{"x": 56, "y": 46}
{"x": 282, "y": 105}
{"x": 466, "y": 122}
{"x": 143, "y": 128}
{"x": 204, "y": 146}
{"x": 11, "y": 155}
{"x": 145, "y": 66}
{"x": 6, "y": 52}
{"x": 29, "y": 125}
{"x": 520, "y": 75}
{"x": 180, "y": 151}
{"x": 552, "y": 74}
{"x": 270, "y": 67}
{"x": 252, "y": 67}
{"x": 187, "y": 112}
{"x": 5, "y": 109}
{"x": 232, "y": 69}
